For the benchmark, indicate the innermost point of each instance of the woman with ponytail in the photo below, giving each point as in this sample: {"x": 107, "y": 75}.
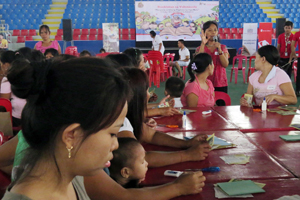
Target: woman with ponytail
{"x": 199, "y": 91}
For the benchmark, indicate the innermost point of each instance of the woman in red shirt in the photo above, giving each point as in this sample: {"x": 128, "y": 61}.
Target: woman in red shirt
{"x": 284, "y": 47}
{"x": 218, "y": 52}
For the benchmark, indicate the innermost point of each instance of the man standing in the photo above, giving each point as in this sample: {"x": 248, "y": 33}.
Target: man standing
{"x": 3, "y": 42}
{"x": 284, "y": 47}
{"x": 296, "y": 38}
{"x": 184, "y": 58}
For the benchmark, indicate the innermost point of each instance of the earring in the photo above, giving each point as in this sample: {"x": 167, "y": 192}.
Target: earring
{"x": 69, "y": 150}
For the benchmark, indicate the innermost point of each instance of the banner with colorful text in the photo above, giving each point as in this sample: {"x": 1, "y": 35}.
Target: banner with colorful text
{"x": 173, "y": 20}
{"x": 249, "y": 38}
{"x": 111, "y": 37}
{"x": 265, "y": 34}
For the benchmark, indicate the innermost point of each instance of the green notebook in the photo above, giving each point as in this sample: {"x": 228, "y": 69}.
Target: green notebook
{"x": 290, "y": 137}
{"x": 240, "y": 188}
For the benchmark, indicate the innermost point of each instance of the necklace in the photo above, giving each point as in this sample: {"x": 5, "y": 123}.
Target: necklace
{"x": 209, "y": 45}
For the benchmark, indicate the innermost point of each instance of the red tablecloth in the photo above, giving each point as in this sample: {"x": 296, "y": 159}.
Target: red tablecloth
{"x": 275, "y": 188}
{"x": 286, "y": 153}
{"x": 250, "y": 121}
{"x": 261, "y": 165}
{"x": 196, "y": 121}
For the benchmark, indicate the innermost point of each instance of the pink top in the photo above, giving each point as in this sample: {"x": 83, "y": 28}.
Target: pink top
{"x": 219, "y": 77}
{"x": 53, "y": 45}
{"x": 205, "y": 97}
{"x": 275, "y": 78}
{"x": 17, "y": 103}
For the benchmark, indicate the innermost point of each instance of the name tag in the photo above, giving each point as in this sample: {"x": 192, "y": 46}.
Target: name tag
{"x": 271, "y": 87}
{"x": 216, "y": 53}
{"x": 285, "y": 54}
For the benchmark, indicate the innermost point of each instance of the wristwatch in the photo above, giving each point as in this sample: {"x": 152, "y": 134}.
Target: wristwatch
{"x": 220, "y": 53}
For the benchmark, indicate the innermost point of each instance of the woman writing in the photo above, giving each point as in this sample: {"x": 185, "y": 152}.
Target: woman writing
{"x": 269, "y": 81}
{"x": 67, "y": 138}
{"x": 218, "y": 52}
{"x": 44, "y": 32}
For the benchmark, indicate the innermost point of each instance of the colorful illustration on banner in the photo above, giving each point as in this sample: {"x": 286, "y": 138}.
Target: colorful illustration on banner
{"x": 173, "y": 21}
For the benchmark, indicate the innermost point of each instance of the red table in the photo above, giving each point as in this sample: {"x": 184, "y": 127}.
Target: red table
{"x": 261, "y": 165}
{"x": 250, "y": 121}
{"x": 275, "y": 188}
{"x": 286, "y": 153}
{"x": 196, "y": 121}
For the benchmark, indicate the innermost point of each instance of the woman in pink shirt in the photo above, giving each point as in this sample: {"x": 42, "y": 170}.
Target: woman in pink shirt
{"x": 199, "y": 90}
{"x": 269, "y": 81}
{"x": 46, "y": 43}
{"x": 218, "y": 52}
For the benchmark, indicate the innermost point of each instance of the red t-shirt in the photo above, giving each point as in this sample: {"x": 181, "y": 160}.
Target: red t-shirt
{"x": 282, "y": 41}
{"x": 296, "y": 38}
{"x": 219, "y": 78}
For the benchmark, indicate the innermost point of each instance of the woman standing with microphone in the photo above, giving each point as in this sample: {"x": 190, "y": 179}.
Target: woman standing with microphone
{"x": 218, "y": 52}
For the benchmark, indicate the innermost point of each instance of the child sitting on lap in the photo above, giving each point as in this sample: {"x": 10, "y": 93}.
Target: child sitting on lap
{"x": 174, "y": 88}
{"x": 128, "y": 167}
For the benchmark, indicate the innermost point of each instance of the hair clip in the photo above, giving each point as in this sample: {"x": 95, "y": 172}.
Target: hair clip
{"x": 194, "y": 67}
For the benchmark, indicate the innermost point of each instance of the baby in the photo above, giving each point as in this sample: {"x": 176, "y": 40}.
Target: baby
{"x": 174, "y": 87}
{"x": 128, "y": 167}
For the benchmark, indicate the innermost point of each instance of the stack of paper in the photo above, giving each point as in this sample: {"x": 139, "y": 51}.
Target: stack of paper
{"x": 290, "y": 138}
{"x": 294, "y": 197}
{"x": 238, "y": 159}
{"x": 284, "y": 110}
{"x": 237, "y": 189}
{"x": 216, "y": 142}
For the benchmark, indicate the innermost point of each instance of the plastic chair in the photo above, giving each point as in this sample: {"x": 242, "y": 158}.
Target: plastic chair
{"x": 76, "y": 32}
{"x": 20, "y": 39}
{"x": 100, "y": 31}
{"x": 28, "y": 38}
{"x": 84, "y": 31}
{"x": 233, "y": 30}
{"x": 125, "y": 37}
{"x": 71, "y": 50}
{"x": 125, "y": 31}
{"x": 24, "y": 32}
{"x": 157, "y": 67}
{"x": 167, "y": 58}
{"x": 58, "y": 37}
{"x": 102, "y": 55}
{"x": 295, "y": 69}
{"x": 100, "y": 37}
{"x": 223, "y": 96}
{"x": 75, "y": 37}
{"x": 250, "y": 69}
{"x": 32, "y": 32}
{"x": 16, "y": 32}
{"x": 240, "y": 58}
{"x": 132, "y": 36}
{"x": 83, "y": 37}
{"x": 226, "y": 30}
{"x": 92, "y": 37}
{"x": 93, "y": 31}
{"x": 60, "y": 32}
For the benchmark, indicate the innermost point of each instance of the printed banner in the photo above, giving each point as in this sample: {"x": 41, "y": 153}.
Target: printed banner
{"x": 265, "y": 34}
{"x": 249, "y": 38}
{"x": 173, "y": 20}
{"x": 110, "y": 37}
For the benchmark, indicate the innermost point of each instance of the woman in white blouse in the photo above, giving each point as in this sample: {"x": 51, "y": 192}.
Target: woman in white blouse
{"x": 157, "y": 44}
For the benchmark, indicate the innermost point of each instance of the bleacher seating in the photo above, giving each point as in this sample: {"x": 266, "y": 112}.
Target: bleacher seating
{"x": 25, "y": 16}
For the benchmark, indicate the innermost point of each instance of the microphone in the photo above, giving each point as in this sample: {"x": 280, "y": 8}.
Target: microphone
{"x": 215, "y": 38}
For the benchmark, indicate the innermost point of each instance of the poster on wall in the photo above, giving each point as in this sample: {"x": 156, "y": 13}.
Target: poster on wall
{"x": 110, "y": 37}
{"x": 265, "y": 34}
{"x": 173, "y": 20}
{"x": 249, "y": 38}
